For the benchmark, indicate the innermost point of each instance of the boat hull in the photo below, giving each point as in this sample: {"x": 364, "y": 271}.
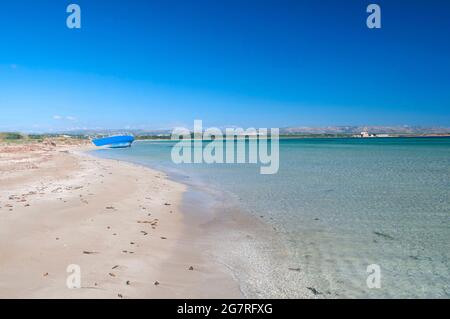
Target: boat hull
{"x": 121, "y": 141}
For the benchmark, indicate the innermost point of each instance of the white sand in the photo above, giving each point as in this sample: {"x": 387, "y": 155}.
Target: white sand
{"x": 121, "y": 223}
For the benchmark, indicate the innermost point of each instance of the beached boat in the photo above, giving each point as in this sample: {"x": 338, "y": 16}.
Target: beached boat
{"x": 117, "y": 141}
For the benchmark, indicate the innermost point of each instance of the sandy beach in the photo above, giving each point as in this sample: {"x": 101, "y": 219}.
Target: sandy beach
{"x": 121, "y": 223}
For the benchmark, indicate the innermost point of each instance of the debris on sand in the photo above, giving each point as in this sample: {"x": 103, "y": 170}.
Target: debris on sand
{"x": 384, "y": 235}
{"x": 314, "y": 290}
{"x": 153, "y": 222}
{"x": 163, "y": 237}
{"x": 111, "y": 274}
{"x": 156, "y": 283}
{"x": 294, "y": 269}
{"x": 116, "y": 266}
{"x": 191, "y": 268}
{"x": 46, "y": 274}
{"x": 86, "y": 252}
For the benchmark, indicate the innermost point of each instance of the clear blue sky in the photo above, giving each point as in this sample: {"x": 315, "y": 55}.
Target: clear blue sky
{"x": 163, "y": 63}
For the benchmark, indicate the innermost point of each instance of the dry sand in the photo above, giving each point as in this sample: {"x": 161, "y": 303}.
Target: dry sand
{"x": 121, "y": 223}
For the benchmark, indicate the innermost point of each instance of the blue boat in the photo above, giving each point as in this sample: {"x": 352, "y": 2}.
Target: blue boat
{"x": 117, "y": 141}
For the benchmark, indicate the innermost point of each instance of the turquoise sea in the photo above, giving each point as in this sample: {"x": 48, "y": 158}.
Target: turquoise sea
{"x": 335, "y": 207}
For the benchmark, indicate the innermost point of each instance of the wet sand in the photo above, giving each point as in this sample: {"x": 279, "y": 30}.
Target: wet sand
{"x": 123, "y": 225}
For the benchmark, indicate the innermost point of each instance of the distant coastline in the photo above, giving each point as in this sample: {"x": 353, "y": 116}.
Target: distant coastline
{"x": 18, "y": 137}
{"x": 305, "y": 136}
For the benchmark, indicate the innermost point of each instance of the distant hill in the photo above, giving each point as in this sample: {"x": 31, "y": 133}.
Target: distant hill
{"x": 297, "y": 130}
{"x": 359, "y": 129}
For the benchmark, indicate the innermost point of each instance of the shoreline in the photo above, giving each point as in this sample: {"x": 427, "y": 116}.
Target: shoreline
{"x": 245, "y": 244}
{"x": 122, "y": 223}
{"x": 223, "y": 232}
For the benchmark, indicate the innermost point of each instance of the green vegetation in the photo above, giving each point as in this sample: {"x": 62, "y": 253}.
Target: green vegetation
{"x": 17, "y": 138}
{"x": 11, "y": 136}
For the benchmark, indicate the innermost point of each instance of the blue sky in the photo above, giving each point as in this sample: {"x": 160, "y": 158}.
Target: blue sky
{"x": 159, "y": 64}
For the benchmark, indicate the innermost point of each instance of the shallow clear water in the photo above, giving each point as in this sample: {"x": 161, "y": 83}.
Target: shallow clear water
{"x": 339, "y": 205}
